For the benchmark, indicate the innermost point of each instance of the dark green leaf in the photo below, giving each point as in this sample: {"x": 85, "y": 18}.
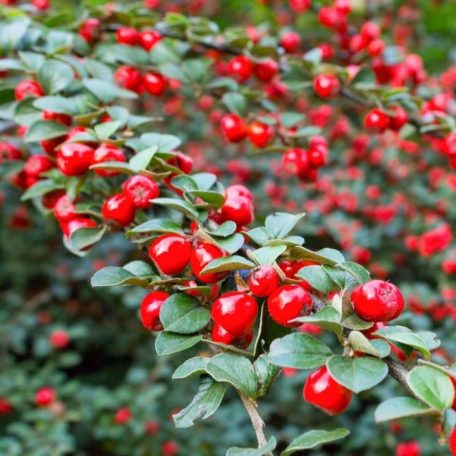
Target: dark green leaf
{"x": 400, "y": 407}
{"x": 314, "y": 438}
{"x": 168, "y": 343}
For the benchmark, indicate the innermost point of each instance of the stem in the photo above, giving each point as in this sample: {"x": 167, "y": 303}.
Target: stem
{"x": 231, "y": 348}
{"x": 399, "y": 373}
{"x": 255, "y": 418}
{"x": 443, "y": 369}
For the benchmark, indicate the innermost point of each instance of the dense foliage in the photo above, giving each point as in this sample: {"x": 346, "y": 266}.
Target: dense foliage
{"x": 225, "y": 177}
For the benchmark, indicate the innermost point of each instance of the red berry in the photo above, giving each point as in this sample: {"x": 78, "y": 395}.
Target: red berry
{"x": 149, "y": 310}
{"x": 295, "y": 161}
{"x": 129, "y": 78}
{"x": 408, "y": 449}
{"x": 170, "y": 448}
{"x": 72, "y": 225}
{"x": 326, "y": 85}
{"x": 5, "y": 406}
{"x": 452, "y": 442}
{"x": 376, "y": 120}
{"x": 64, "y": 209}
{"x": 182, "y": 161}
{"x": 325, "y": 393}
{"x": 122, "y": 416}
{"x": 260, "y": 133}
{"x": 235, "y": 191}
{"x": 299, "y": 6}
{"x": 155, "y": 83}
{"x": 370, "y": 31}
{"x": 266, "y": 70}
{"x": 107, "y": 153}
{"x": 36, "y": 165}
{"x": 89, "y": 29}
{"x": 377, "y": 300}
{"x": 119, "y": 209}
{"x": 240, "y": 67}
{"x": 140, "y": 190}
{"x": 449, "y": 145}
{"x": 236, "y": 312}
{"x": 317, "y": 156}
{"x": 44, "y": 396}
{"x": 171, "y": 253}
{"x": 233, "y": 127}
{"x": 369, "y": 333}
{"x": 239, "y": 210}
{"x": 9, "y": 152}
{"x": 152, "y": 427}
{"x": 398, "y": 119}
{"x": 26, "y": 89}
{"x": 74, "y": 159}
{"x": 41, "y": 5}
{"x": 149, "y": 38}
{"x": 221, "y": 335}
{"x": 64, "y": 119}
{"x": 263, "y": 280}
{"x": 289, "y": 302}
{"x": 127, "y": 35}
{"x": 59, "y": 339}
{"x": 290, "y": 41}
{"x": 49, "y": 200}
{"x": 201, "y": 256}
{"x": 50, "y": 145}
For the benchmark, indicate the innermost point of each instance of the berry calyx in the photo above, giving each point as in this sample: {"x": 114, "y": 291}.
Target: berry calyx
{"x": 170, "y": 253}
{"x": 322, "y": 391}
{"x": 263, "y": 280}
{"x": 377, "y": 300}
{"x": 141, "y": 190}
{"x": 149, "y": 310}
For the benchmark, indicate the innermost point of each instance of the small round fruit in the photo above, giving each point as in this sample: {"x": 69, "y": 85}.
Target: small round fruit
{"x": 260, "y": 133}
{"x": 290, "y": 41}
{"x": 221, "y": 335}
{"x": 321, "y": 390}
{"x": 36, "y": 165}
{"x": 64, "y": 209}
{"x": 376, "y": 120}
{"x": 233, "y": 128}
{"x": 122, "y": 416}
{"x": 118, "y": 209}
{"x": 149, "y": 310}
{"x": 155, "y": 83}
{"x": 127, "y": 35}
{"x": 74, "y": 159}
{"x": 107, "y": 153}
{"x": 149, "y": 38}
{"x": 128, "y": 77}
{"x": 326, "y": 85}
{"x": 44, "y": 396}
{"x": 59, "y": 339}
{"x": 452, "y": 442}
{"x": 171, "y": 253}
{"x": 266, "y": 70}
{"x": 141, "y": 190}
{"x": 72, "y": 225}
{"x": 263, "y": 280}
{"x": 26, "y": 89}
{"x": 201, "y": 256}
{"x": 398, "y": 119}
{"x": 239, "y": 210}
{"x": 295, "y": 161}
{"x": 240, "y": 67}
{"x": 287, "y": 303}
{"x": 236, "y": 312}
{"x": 377, "y": 300}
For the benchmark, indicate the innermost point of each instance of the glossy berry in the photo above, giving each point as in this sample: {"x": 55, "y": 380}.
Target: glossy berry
{"x": 59, "y": 339}
{"x": 149, "y": 38}
{"x": 398, "y": 119}
{"x": 127, "y": 35}
{"x": 37, "y": 165}
{"x": 26, "y": 89}
{"x": 240, "y": 68}
{"x": 236, "y": 191}
{"x": 266, "y": 70}
{"x": 260, "y": 133}
{"x": 171, "y": 253}
{"x": 290, "y": 41}
{"x": 322, "y": 391}
{"x": 236, "y": 312}
{"x": 221, "y": 335}
{"x": 129, "y": 78}
{"x": 122, "y": 416}
{"x": 64, "y": 119}
{"x": 287, "y": 303}
{"x": 65, "y": 209}
{"x": 449, "y": 145}
{"x": 376, "y": 120}
{"x": 5, "y": 406}
{"x": 377, "y": 300}
{"x": 326, "y": 85}
{"x": 233, "y": 128}
{"x": 149, "y": 310}
{"x": 76, "y": 223}
{"x": 141, "y": 190}
{"x": 74, "y": 159}
{"x": 295, "y": 162}
{"x": 170, "y": 448}
{"x": 263, "y": 280}
{"x": 239, "y": 210}
{"x": 44, "y": 396}
{"x": 90, "y": 29}
{"x": 299, "y": 6}
{"x": 201, "y": 256}
{"x": 107, "y": 153}
{"x": 155, "y": 83}
{"x": 408, "y": 449}
{"x": 452, "y": 442}
{"x": 118, "y": 209}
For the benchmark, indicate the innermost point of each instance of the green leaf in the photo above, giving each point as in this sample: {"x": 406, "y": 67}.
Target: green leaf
{"x": 183, "y": 314}
{"x": 231, "y": 263}
{"x": 265, "y": 449}
{"x": 317, "y": 277}
{"x": 324, "y": 256}
{"x": 86, "y": 237}
{"x": 55, "y": 76}
{"x": 361, "y": 273}
{"x": 400, "y": 407}
{"x": 120, "y": 167}
{"x": 231, "y": 244}
{"x": 268, "y": 255}
{"x": 224, "y": 230}
{"x": 106, "y": 91}
{"x": 106, "y": 129}
{"x": 314, "y": 438}
{"x": 405, "y": 336}
{"x": 258, "y": 235}
{"x": 354, "y": 322}
{"x": 328, "y": 318}
{"x": 357, "y": 374}
{"x": 290, "y": 119}
{"x": 204, "y": 404}
{"x": 298, "y": 350}
{"x": 112, "y": 276}
{"x": 266, "y": 373}
{"x": 432, "y": 386}
{"x": 235, "y": 102}
{"x": 378, "y": 348}
{"x": 142, "y": 159}
{"x": 234, "y": 369}
{"x": 178, "y": 205}
{"x": 45, "y": 129}
{"x": 212, "y": 198}
{"x": 332, "y": 254}
{"x": 168, "y": 343}
{"x": 139, "y": 268}
{"x": 280, "y": 224}
{"x": 192, "y": 366}
{"x": 164, "y": 143}
{"x": 204, "y": 181}
{"x": 40, "y": 188}
{"x": 157, "y": 225}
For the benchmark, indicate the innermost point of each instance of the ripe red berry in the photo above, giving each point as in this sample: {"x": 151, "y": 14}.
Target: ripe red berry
{"x": 9, "y": 152}
{"x": 370, "y": 31}
{"x": 26, "y": 89}
{"x": 290, "y": 41}
{"x": 233, "y": 127}
{"x": 317, "y": 156}
{"x": 235, "y": 191}
{"x": 263, "y": 280}
{"x": 74, "y": 159}
{"x": 201, "y": 256}
{"x": 72, "y": 225}
{"x": 149, "y": 310}
{"x": 266, "y": 70}
{"x": 149, "y": 38}
{"x": 141, "y": 189}
{"x": 236, "y": 312}
{"x": 452, "y": 442}
{"x": 127, "y": 35}
{"x": 36, "y": 165}
{"x": 449, "y": 145}
{"x": 129, "y": 78}
{"x": 239, "y": 210}
{"x": 107, "y": 153}
{"x": 118, "y": 209}
{"x": 408, "y": 449}
{"x": 240, "y": 68}
{"x": 64, "y": 119}
{"x": 152, "y": 427}
{"x": 295, "y": 161}
{"x": 321, "y": 390}
{"x": 122, "y": 416}
{"x": 377, "y": 300}
{"x": 376, "y": 120}
{"x": 64, "y": 209}
{"x": 299, "y": 6}
{"x": 49, "y": 200}
{"x": 59, "y": 339}
{"x": 289, "y": 302}
{"x": 221, "y": 335}
{"x": 170, "y": 448}
{"x": 5, "y": 406}
{"x": 326, "y": 85}
{"x": 171, "y": 253}
{"x": 398, "y": 119}
{"x": 90, "y": 29}
{"x": 155, "y": 83}
{"x": 44, "y": 396}
{"x": 260, "y": 133}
